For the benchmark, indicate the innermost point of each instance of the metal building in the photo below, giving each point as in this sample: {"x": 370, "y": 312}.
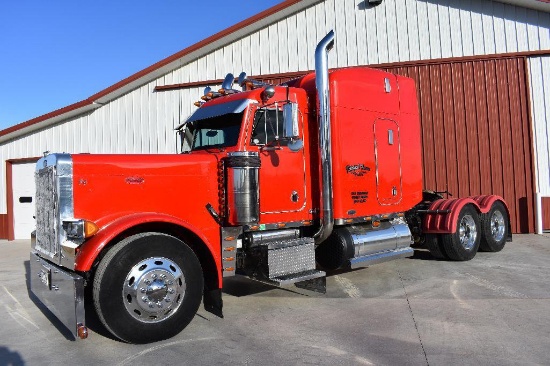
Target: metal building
{"x": 482, "y": 69}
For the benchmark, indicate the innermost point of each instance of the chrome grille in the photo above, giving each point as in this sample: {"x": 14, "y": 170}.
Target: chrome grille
{"x": 54, "y": 204}
{"x": 46, "y": 211}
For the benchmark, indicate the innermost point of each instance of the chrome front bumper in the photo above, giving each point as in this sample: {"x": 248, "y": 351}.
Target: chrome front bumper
{"x": 61, "y": 291}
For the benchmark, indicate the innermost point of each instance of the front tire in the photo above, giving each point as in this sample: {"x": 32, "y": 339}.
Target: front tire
{"x": 147, "y": 288}
{"x": 462, "y": 245}
{"x": 494, "y": 228}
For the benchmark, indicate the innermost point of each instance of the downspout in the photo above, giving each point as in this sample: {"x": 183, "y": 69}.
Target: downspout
{"x": 323, "y": 113}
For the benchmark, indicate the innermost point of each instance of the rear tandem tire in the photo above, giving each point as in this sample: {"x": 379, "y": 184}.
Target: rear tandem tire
{"x": 494, "y": 228}
{"x": 435, "y": 246}
{"x": 148, "y": 287}
{"x": 462, "y": 245}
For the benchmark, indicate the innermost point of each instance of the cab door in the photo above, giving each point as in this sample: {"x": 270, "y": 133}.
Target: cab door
{"x": 282, "y": 171}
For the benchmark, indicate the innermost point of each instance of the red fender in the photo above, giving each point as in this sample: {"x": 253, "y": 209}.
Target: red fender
{"x": 486, "y": 202}
{"x": 446, "y": 222}
{"x": 89, "y": 251}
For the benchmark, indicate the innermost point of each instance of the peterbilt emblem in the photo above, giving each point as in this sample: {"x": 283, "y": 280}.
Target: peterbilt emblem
{"x": 358, "y": 169}
{"x": 135, "y": 180}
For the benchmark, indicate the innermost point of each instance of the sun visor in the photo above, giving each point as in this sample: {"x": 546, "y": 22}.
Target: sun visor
{"x": 236, "y": 106}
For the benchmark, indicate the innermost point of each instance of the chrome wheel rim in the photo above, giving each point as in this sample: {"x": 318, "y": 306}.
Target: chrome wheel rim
{"x": 467, "y": 232}
{"x": 153, "y": 289}
{"x": 497, "y": 226}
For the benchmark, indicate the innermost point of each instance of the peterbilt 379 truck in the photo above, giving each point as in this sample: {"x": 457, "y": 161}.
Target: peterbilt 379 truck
{"x": 277, "y": 183}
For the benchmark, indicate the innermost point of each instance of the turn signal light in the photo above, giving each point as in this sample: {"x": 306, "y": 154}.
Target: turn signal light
{"x": 221, "y": 91}
{"x": 90, "y": 229}
{"x": 229, "y": 238}
{"x": 376, "y": 223}
{"x": 197, "y": 104}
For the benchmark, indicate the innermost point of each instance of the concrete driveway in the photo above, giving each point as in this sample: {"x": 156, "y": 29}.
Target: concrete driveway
{"x": 494, "y": 309}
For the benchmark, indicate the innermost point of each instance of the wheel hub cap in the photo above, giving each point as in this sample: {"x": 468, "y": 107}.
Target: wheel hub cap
{"x": 467, "y": 232}
{"x": 153, "y": 289}
{"x": 497, "y": 226}
{"x": 157, "y": 290}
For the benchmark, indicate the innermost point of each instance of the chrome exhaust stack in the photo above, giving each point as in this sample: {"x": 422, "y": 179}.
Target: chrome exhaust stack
{"x": 323, "y": 113}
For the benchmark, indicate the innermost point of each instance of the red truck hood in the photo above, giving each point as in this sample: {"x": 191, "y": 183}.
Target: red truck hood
{"x": 107, "y": 187}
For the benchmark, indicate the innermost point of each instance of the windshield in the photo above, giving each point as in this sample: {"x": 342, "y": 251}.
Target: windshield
{"x": 217, "y": 132}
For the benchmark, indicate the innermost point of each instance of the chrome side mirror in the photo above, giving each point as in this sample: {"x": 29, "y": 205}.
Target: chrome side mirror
{"x": 291, "y": 127}
{"x": 290, "y": 116}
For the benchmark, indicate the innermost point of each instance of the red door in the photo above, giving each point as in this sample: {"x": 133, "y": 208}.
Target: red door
{"x": 282, "y": 171}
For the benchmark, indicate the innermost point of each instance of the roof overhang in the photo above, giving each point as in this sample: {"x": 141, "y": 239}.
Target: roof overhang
{"x": 46, "y": 120}
{"x": 541, "y": 5}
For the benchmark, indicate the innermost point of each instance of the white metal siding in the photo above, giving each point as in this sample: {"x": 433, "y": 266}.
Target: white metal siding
{"x": 395, "y": 31}
{"x": 539, "y": 72}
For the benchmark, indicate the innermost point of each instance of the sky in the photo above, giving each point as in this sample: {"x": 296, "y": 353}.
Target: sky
{"x": 55, "y": 53}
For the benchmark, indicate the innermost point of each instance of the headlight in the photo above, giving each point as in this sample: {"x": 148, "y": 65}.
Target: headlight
{"x": 79, "y": 229}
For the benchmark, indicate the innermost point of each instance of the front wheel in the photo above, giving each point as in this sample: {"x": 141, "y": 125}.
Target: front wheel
{"x": 494, "y": 228}
{"x": 147, "y": 288}
{"x": 462, "y": 245}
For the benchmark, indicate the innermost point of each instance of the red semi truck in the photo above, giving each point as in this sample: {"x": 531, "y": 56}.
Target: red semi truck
{"x": 277, "y": 183}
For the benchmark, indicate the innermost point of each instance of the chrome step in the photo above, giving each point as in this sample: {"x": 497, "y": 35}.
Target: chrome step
{"x": 297, "y": 277}
{"x": 312, "y": 280}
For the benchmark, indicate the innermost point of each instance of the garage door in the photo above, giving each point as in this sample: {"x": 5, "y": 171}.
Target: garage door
{"x": 23, "y": 200}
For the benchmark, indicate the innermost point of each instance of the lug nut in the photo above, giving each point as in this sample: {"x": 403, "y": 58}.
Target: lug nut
{"x": 148, "y": 282}
{"x": 163, "y": 276}
{"x": 151, "y": 305}
{"x": 170, "y": 282}
{"x": 171, "y": 290}
{"x": 144, "y": 298}
{"x": 159, "y": 304}
{"x": 153, "y": 276}
{"x": 167, "y": 299}
{"x": 143, "y": 290}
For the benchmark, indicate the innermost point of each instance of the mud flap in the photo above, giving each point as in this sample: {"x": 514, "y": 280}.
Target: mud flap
{"x": 213, "y": 302}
